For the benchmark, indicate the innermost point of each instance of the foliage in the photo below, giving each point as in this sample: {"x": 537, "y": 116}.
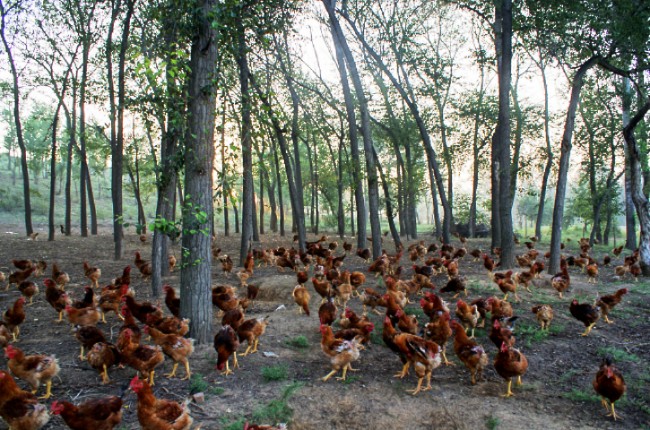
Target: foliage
{"x": 299, "y": 342}
{"x": 462, "y": 204}
{"x": 276, "y": 411}
{"x": 274, "y": 373}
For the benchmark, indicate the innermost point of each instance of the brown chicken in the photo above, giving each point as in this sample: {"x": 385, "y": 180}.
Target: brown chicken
{"x": 19, "y": 276}
{"x": 610, "y": 385}
{"x": 524, "y": 278}
{"x": 371, "y": 298}
{"x": 234, "y": 318}
{"x": 140, "y": 310}
{"x": 508, "y": 286}
{"x": 303, "y": 276}
{"x": 20, "y": 409}
{"x": 125, "y": 279}
{"x": 250, "y": 331}
{"x": 22, "y": 264}
{"x": 226, "y": 344}
{"x": 586, "y": 314}
{"x": 431, "y": 304}
{"x": 364, "y": 254}
{"x": 344, "y": 290}
{"x": 169, "y": 325}
{"x": 468, "y": 316}
{"x": 88, "y": 299}
{"x": 407, "y": 323}
{"x": 607, "y": 303}
{"x": 101, "y": 357}
{"x": 489, "y": 265}
{"x": 14, "y": 317}
{"x": 561, "y": 281}
{"x": 96, "y": 414}
{"x": 249, "y": 263}
{"x": 143, "y": 358}
{"x": 159, "y": 414}
{"x": 130, "y": 324}
{"x": 111, "y": 301}
{"x": 5, "y": 335}
{"x": 33, "y": 369}
{"x": 83, "y": 317}
{"x": 455, "y": 285}
{"x": 341, "y": 352}
{"x": 61, "y": 278}
{"x": 171, "y": 262}
{"x": 470, "y": 353}
{"x": 510, "y": 362}
{"x": 635, "y": 271}
{"x": 144, "y": 266}
{"x": 88, "y": 336}
{"x": 56, "y": 297}
{"x": 93, "y": 274}
{"x": 452, "y": 269}
{"x": 500, "y": 308}
{"x": 500, "y": 334}
{"x": 302, "y": 297}
{"x": 439, "y": 331}
{"x": 322, "y": 287}
{"x": 175, "y": 347}
{"x": 379, "y": 266}
{"x": 544, "y": 315}
{"x": 173, "y": 303}
{"x": 327, "y": 312}
{"x": 28, "y": 289}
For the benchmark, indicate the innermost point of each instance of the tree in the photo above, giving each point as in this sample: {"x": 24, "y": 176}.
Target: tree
{"x": 6, "y": 9}
{"x": 199, "y": 147}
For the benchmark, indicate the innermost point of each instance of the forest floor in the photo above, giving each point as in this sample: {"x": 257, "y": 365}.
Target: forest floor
{"x": 281, "y": 383}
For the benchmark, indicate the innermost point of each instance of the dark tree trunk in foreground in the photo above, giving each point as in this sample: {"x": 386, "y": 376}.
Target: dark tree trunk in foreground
{"x": 197, "y": 258}
{"x": 19, "y": 127}
{"x": 565, "y": 153}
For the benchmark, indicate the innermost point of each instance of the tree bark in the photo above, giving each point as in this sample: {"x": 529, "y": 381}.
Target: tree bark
{"x": 199, "y": 154}
{"x": 18, "y": 124}
{"x": 549, "y": 154}
{"x": 55, "y": 125}
{"x": 565, "y": 153}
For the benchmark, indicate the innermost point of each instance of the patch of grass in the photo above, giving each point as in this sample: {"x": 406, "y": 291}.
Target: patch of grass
{"x": 198, "y": 384}
{"x": 569, "y": 374}
{"x": 531, "y": 333}
{"x": 274, "y": 373}
{"x": 299, "y": 342}
{"x": 618, "y": 354}
{"x": 581, "y": 396}
{"x": 492, "y": 423}
{"x": 351, "y": 380}
{"x": 216, "y": 391}
{"x": 418, "y": 312}
{"x": 276, "y": 411}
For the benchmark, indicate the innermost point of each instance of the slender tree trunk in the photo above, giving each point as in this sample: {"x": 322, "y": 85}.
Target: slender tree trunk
{"x": 55, "y": 126}
{"x": 71, "y": 122}
{"x": 83, "y": 216}
{"x": 261, "y": 173}
{"x": 549, "y": 154}
{"x": 560, "y": 193}
{"x": 279, "y": 182}
{"x": 256, "y": 231}
{"x": 197, "y": 256}
{"x": 246, "y": 142}
{"x": 389, "y": 204}
{"x": 91, "y": 203}
{"x": 18, "y": 124}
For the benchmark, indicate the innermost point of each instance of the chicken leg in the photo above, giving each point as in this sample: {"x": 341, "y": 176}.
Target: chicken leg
{"x": 105, "y": 379}
{"x": 508, "y": 393}
{"x": 588, "y": 329}
{"x": 404, "y": 372}
{"x": 173, "y": 372}
{"x": 48, "y": 390}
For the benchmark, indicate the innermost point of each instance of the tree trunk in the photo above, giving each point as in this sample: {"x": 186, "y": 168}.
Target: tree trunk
{"x": 389, "y": 204}
{"x": 261, "y": 220}
{"x": 224, "y": 174}
{"x": 55, "y": 126}
{"x": 91, "y": 203}
{"x": 279, "y": 182}
{"x": 560, "y": 193}
{"x": 638, "y": 196}
{"x": 18, "y": 124}
{"x": 549, "y": 155}
{"x": 71, "y": 123}
{"x": 83, "y": 216}
{"x": 246, "y": 142}
{"x": 197, "y": 256}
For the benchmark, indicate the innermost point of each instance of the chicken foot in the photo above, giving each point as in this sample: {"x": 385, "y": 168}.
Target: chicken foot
{"x": 588, "y": 329}
{"x": 404, "y": 372}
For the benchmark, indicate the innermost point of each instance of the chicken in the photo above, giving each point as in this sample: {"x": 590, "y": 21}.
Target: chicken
{"x": 301, "y": 296}
{"x": 169, "y": 325}
{"x": 452, "y": 269}
{"x": 143, "y": 358}
{"x": 283, "y": 262}
{"x": 159, "y": 414}
{"x": 249, "y": 263}
{"x": 125, "y": 279}
{"x": 610, "y": 385}
{"x": 620, "y": 271}
{"x": 175, "y": 347}
{"x": 14, "y": 317}
{"x": 327, "y": 312}
{"x": 88, "y": 336}
{"x": 56, "y": 297}
{"x": 510, "y": 362}
{"x": 143, "y": 266}
{"x": 303, "y": 276}
{"x": 424, "y": 355}
{"x": 97, "y": 414}
{"x": 19, "y": 276}
{"x": 83, "y": 317}
{"x": 226, "y": 344}
{"x": 28, "y": 289}
{"x": 586, "y": 314}
{"x": 508, "y": 286}
{"x": 524, "y": 278}
{"x": 561, "y": 281}
{"x": 101, "y": 357}
{"x": 379, "y": 266}
{"x": 455, "y": 285}
{"x": 93, "y": 274}
{"x": 357, "y": 279}
{"x": 423, "y": 270}
{"x": 617, "y": 251}
{"x": 471, "y": 354}
{"x": 20, "y": 409}
{"x": 22, "y": 264}
{"x": 544, "y": 315}
{"x": 344, "y": 290}
{"x": 364, "y": 254}
{"x": 172, "y": 302}
{"x": 111, "y": 300}
{"x": 635, "y": 271}
{"x": 88, "y": 299}
{"x": 5, "y": 335}
{"x": 341, "y": 352}
{"x": 130, "y": 324}
{"x": 592, "y": 273}
{"x": 61, "y": 278}
{"x": 439, "y": 331}
{"x": 171, "y": 262}
{"x": 227, "y": 301}
{"x": 33, "y": 369}
{"x": 234, "y": 318}
{"x": 607, "y": 303}
{"x": 468, "y": 315}
{"x": 523, "y": 260}
{"x": 140, "y": 310}
{"x": 322, "y": 287}
{"x": 251, "y": 330}
{"x": 500, "y": 334}
{"x": 371, "y": 298}
{"x": 431, "y": 304}
{"x": 488, "y": 263}
{"x": 500, "y": 308}
{"x": 406, "y": 323}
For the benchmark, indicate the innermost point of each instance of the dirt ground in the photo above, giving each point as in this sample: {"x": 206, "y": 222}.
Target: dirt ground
{"x": 557, "y": 391}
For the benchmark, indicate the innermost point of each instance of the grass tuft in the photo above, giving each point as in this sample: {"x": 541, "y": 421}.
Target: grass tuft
{"x": 492, "y": 423}
{"x": 581, "y": 396}
{"x": 274, "y": 373}
{"x": 276, "y": 411}
{"x": 618, "y": 354}
{"x": 198, "y": 384}
{"x": 299, "y": 342}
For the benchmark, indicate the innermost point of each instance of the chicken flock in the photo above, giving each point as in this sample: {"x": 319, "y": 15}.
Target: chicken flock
{"x": 419, "y": 345}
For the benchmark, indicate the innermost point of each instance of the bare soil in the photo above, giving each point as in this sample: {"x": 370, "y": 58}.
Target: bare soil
{"x": 557, "y": 391}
